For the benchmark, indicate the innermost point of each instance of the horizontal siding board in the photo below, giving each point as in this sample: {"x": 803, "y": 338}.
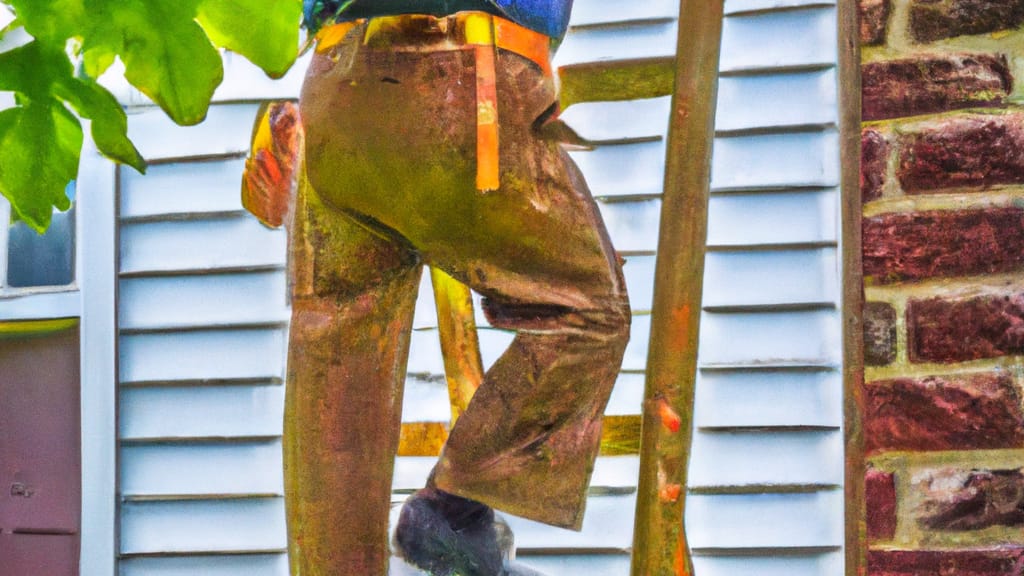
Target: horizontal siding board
{"x": 825, "y": 564}
{"x": 639, "y": 273}
{"x": 776, "y": 160}
{"x": 779, "y": 39}
{"x": 623, "y": 169}
{"x": 190, "y": 469}
{"x": 628, "y": 394}
{"x": 759, "y": 399}
{"x": 205, "y": 355}
{"x": 425, "y": 353}
{"x": 632, "y": 225}
{"x": 734, "y": 6}
{"x": 411, "y": 472}
{"x": 182, "y": 188}
{"x": 763, "y": 458}
{"x": 765, "y": 520}
{"x": 609, "y": 471}
{"x": 234, "y": 565}
{"x": 168, "y": 302}
{"x": 425, "y": 400}
{"x": 635, "y": 357}
{"x": 200, "y": 245}
{"x": 778, "y": 100}
{"x": 590, "y": 12}
{"x": 196, "y": 412}
{"x": 616, "y": 471}
{"x": 770, "y": 277}
{"x": 773, "y": 218}
{"x": 629, "y": 119}
{"x": 225, "y": 131}
{"x": 202, "y": 526}
{"x": 582, "y": 563}
{"x": 645, "y": 39}
{"x": 760, "y": 337}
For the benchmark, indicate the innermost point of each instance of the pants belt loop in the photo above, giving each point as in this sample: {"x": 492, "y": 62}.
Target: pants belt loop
{"x": 479, "y": 30}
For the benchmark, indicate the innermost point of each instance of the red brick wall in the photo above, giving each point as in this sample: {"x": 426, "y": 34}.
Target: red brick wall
{"x": 942, "y": 181}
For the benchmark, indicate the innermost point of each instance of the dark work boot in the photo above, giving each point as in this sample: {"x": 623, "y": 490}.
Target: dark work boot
{"x": 446, "y": 535}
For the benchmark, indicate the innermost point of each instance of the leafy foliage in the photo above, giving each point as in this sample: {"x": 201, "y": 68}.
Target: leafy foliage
{"x": 169, "y": 51}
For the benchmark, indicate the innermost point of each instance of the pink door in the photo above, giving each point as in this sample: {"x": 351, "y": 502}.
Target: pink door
{"x": 40, "y": 468}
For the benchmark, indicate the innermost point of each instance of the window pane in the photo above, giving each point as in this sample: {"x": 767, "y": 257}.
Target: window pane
{"x": 43, "y": 260}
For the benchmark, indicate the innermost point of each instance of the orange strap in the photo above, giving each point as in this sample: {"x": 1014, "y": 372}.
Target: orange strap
{"x": 531, "y": 45}
{"x": 479, "y": 30}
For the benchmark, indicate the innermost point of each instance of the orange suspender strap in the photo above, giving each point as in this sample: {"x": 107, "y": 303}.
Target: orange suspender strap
{"x": 531, "y": 45}
{"x": 479, "y": 29}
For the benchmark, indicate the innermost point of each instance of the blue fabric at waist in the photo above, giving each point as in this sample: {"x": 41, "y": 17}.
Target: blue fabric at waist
{"x": 549, "y": 17}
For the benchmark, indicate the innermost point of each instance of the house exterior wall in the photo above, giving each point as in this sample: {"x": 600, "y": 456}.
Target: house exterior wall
{"x": 941, "y": 180}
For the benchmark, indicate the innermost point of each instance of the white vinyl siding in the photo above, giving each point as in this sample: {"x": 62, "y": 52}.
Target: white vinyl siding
{"x": 202, "y": 318}
{"x": 767, "y": 465}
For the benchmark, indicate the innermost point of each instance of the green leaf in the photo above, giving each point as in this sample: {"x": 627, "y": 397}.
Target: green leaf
{"x": 264, "y": 31}
{"x": 166, "y": 53}
{"x": 95, "y": 62}
{"x": 52, "y": 21}
{"x": 41, "y": 144}
{"x": 43, "y": 74}
{"x": 31, "y": 68}
{"x": 109, "y": 126}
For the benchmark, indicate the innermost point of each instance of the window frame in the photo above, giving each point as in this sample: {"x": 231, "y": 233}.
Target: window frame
{"x": 96, "y": 278}
{"x": 37, "y": 302}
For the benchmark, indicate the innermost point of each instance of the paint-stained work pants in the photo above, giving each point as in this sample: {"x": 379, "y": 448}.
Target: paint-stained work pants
{"x": 390, "y": 160}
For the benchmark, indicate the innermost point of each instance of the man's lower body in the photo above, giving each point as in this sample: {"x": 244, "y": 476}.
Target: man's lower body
{"x": 390, "y": 157}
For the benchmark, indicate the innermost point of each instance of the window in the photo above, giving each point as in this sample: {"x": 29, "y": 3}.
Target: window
{"x": 32, "y": 260}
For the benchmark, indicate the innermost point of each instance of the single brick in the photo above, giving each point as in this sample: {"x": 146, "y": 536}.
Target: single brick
{"x": 943, "y": 413}
{"x": 1004, "y": 561}
{"x": 879, "y": 334}
{"x": 988, "y": 326}
{"x": 960, "y": 500}
{"x": 880, "y": 498}
{"x": 932, "y": 20}
{"x": 968, "y": 150}
{"x": 874, "y": 155}
{"x": 873, "y": 15}
{"x": 928, "y": 84}
{"x": 940, "y": 244}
